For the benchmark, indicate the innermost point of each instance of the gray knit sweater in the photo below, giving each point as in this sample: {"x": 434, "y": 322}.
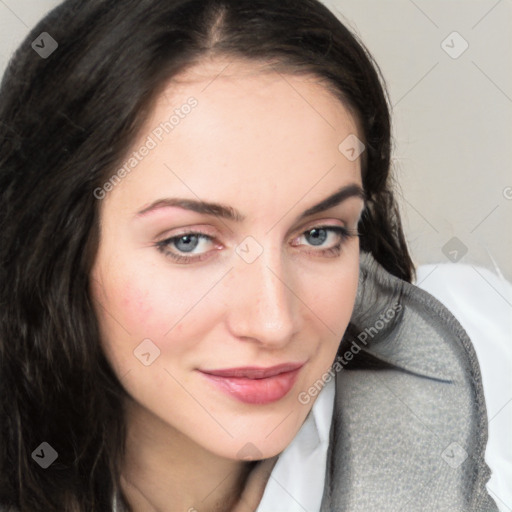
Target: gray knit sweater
{"x": 409, "y": 426}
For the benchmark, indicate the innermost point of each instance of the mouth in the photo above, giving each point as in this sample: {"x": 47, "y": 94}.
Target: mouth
{"x": 255, "y": 385}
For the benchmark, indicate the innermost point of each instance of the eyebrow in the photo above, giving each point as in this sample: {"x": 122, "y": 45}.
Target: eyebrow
{"x": 229, "y": 213}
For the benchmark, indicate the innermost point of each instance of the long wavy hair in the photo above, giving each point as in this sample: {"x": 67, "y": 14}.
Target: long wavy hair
{"x": 66, "y": 123}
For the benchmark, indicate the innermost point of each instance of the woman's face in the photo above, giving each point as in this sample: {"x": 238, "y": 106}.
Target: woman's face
{"x": 259, "y": 287}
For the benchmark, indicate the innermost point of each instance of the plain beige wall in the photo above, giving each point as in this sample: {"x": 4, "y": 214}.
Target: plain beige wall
{"x": 452, "y": 116}
{"x": 452, "y": 119}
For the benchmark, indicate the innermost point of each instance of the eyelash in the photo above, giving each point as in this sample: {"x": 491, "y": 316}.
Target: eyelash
{"x": 343, "y": 233}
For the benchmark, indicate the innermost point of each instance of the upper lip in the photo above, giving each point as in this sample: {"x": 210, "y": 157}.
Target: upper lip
{"x": 255, "y": 372}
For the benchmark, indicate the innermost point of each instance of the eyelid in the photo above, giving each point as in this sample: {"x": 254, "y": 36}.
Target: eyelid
{"x": 186, "y": 230}
{"x": 316, "y": 223}
{"x": 328, "y": 223}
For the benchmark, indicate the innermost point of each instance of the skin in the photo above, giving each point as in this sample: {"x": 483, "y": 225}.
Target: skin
{"x": 265, "y": 144}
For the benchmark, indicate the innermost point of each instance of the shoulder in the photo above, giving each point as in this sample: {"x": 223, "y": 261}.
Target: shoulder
{"x": 410, "y": 426}
{"x": 481, "y": 300}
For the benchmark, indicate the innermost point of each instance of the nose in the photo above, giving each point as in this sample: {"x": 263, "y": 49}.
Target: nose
{"x": 263, "y": 305}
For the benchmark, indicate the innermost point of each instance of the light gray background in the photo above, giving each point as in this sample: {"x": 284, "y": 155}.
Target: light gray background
{"x": 452, "y": 120}
{"x": 452, "y": 117}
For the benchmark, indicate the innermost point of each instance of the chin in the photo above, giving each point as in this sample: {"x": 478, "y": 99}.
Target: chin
{"x": 256, "y": 439}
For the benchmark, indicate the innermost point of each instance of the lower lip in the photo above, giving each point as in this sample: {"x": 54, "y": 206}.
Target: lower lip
{"x": 256, "y": 391}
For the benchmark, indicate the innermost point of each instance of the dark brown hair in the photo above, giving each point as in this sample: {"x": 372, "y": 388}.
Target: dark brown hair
{"x": 66, "y": 122}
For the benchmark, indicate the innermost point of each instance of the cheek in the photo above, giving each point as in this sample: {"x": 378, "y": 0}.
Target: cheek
{"x": 164, "y": 308}
{"x": 332, "y": 296}
{"x": 151, "y": 308}
{"x": 140, "y": 305}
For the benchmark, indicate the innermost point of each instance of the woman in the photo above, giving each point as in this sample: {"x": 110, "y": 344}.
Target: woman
{"x": 203, "y": 268}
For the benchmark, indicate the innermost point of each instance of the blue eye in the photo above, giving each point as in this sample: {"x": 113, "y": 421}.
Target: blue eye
{"x": 320, "y": 234}
{"x": 317, "y": 236}
{"x": 185, "y": 242}
{"x": 188, "y": 242}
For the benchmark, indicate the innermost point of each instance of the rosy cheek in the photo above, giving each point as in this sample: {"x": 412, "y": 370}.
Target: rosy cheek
{"x": 137, "y": 309}
{"x": 151, "y": 312}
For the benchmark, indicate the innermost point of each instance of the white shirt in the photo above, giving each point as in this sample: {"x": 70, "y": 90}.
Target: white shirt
{"x": 296, "y": 483}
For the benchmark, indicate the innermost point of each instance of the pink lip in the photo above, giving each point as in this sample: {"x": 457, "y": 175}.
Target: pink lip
{"x": 256, "y": 385}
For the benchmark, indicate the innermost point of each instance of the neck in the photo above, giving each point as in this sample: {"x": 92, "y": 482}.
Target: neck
{"x": 165, "y": 470}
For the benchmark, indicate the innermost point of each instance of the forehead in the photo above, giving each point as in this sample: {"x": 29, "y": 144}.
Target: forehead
{"x": 248, "y": 129}
{"x": 227, "y": 84}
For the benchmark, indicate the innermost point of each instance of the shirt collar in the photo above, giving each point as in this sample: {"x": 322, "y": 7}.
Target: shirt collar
{"x": 296, "y": 483}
